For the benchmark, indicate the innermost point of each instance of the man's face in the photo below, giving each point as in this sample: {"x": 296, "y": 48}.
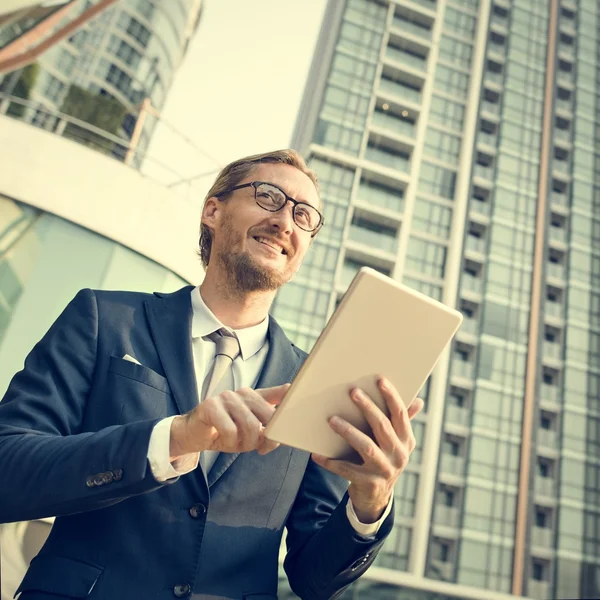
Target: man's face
{"x": 260, "y": 250}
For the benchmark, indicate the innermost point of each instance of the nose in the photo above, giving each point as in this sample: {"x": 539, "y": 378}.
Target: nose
{"x": 283, "y": 219}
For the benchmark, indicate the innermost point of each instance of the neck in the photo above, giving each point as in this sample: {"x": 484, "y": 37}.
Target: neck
{"x": 232, "y": 307}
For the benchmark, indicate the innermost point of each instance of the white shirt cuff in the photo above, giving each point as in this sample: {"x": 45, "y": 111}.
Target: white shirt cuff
{"x": 366, "y": 529}
{"x": 159, "y": 456}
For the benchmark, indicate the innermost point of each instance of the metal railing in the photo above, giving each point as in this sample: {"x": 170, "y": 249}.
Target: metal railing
{"x": 553, "y": 309}
{"x": 556, "y": 270}
{"x": 454, "y": 465}
{"x": 498, "y": 20}
{"x": 491, "y": 107}
{"x": 457, "y": 414}
{"x": 400, "y": 91}
{"x": 378, "y": 197}
{"x": 561, "y": 165}
{"x": 547, "y": 438}
{"x": 563, "y": 134}
{"x": 387, "y": 159}
{"x": 539, "y": 590}
{"x": 541, "y": 537}
{"x": 463, "y": 368}
{"x": 484, "y": 137}
{"x": 551, "y": 350}
{"x": 549, "y": 392}
{"x": 410, "y": 27}
{"x": 471, "y": 283}
{"x": 483, "y": 208}
{"x": 373, "y": 239}
{"x": 544, "y": 486}
{"x": 394, "y": 124}
{"x": 475, "y": 244}
{"x": 469, "y": 326}
{"x": 447, "y": 515}
{"x": 558, "y": 234}
{"x": 558, "y": 198}
{"x": 119, "y": 148}
{"x": 484, "y": 172}
{"x": 411, "y": 60}
{"x": 494, "y": 77}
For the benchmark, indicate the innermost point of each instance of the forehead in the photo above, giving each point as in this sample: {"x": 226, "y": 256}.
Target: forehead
{"x": 291, "y": 180}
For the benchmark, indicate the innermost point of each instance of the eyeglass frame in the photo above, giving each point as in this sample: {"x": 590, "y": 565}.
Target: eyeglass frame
{"x": 294, "y": 202}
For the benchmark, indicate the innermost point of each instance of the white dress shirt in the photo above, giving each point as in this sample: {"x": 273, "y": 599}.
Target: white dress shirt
{"x": 254, "y": 347}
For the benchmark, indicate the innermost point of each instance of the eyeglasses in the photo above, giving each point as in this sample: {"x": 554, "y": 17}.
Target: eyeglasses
{"x": 271, "y": 198}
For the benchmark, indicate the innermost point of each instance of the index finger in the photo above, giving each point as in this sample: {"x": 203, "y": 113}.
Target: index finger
{"x": 274, "y": 395}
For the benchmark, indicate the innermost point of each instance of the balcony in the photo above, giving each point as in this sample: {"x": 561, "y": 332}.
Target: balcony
{"x": 447, "y": 515}
{"x": 410, "y": 60}
{"x": 483, "y": 172}
{"x": 549, "y": 392}
{"x": 540, "y": 590}
{"x": 480, "y": 207}
{"x": 544, "y": 486}
{"x": 541, "y": 537}
{"x": 475, "y": 244}
{"x": 566, "y": 77}
{"x": 558, "y": 234}
{"x": 457, "y": 414}
{"x": 490, "y": 107}
{"x": 567, "y": 105}
{"x": 463, "y": 368}
{"x": 443, "y": 571}
{"x": 490, "y": 139}
{"x": 552, "y": 350}
{"x": 472, "y": 283}
{"x": 469, "y": 326}
{"x": 494, "y": 77}
{"x": 499, "y": 20}
{"x": 566, "y": 50}
{"x": 562, "y": 135}
{"x": 556, "y": 270}
{"x": 412, "y": 28}
{"x": 548, "y": 438}
{"x": 453, "y": 465}
{"x": 562, "y": 166}
{"x": 400, "y": 91}
{"x": 377, "y": 196}
{"x": 387, "y": 159}
{"x": 393, "y": 124}
{"x": 373, "y": 239}
{"x": 559, "y": 198}
{"x": 553, "y": 309}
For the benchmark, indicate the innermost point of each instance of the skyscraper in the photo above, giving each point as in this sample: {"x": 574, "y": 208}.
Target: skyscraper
{"x": 456, "y": 142}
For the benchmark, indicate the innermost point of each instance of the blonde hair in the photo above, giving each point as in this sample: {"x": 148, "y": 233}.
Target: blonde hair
{"x": 237, "y": 171}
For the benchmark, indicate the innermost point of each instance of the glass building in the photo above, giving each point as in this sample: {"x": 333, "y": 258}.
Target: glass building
{"x": 104, "y": 71}
{"x": 457, "y": 146}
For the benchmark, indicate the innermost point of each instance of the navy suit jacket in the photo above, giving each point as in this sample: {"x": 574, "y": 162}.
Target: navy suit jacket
{"x": 75, "y": 426}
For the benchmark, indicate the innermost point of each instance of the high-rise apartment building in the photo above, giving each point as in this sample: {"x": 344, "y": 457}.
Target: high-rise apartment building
{"x": 113, "y": 71}
{"x": 457, "y": 146}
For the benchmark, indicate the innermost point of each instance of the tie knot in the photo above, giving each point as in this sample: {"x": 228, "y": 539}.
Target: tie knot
{"x": 227, "y": 343}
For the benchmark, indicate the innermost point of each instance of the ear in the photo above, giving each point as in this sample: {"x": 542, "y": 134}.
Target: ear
{"x": 211, "y": 212}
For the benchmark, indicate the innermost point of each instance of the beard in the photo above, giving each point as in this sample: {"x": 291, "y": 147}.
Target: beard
{"x": 246, "y": 274}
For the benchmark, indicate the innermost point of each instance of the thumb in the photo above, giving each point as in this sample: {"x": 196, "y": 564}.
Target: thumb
{"x": 416, "y": 407}
{"x": 274, "y": 395}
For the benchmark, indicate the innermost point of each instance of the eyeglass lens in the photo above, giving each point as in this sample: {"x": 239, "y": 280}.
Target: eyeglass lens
{"x": 273, "y": 199}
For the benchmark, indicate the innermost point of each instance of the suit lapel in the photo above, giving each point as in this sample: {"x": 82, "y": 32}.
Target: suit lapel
{"x": 281, "y": 366}
{"x": 170, "y": 319}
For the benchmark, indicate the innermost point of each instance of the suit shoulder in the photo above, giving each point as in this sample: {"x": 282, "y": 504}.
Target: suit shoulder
{"x": 128, "y": 299}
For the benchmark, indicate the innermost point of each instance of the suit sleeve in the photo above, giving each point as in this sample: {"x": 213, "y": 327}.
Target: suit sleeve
{"x": 325, "y": 554}
{"x": 48, "y": 465}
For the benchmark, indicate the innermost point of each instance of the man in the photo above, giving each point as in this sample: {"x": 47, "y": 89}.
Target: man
{"x": 124, "y": 425}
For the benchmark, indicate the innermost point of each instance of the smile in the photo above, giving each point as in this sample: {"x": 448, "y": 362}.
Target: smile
{"x": 271, "y": 244}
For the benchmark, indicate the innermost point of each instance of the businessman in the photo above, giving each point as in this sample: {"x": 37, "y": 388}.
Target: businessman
{"x": 138, "y": 422}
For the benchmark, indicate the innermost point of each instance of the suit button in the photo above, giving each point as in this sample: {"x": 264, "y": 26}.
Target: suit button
{"x": 182, "y": 590}
{"x": 89, "y": 481}
{"x": 118, "y": 474}
{"x": 197, "y": 511}
{"x": 99, "y": 479}
{"x": 107, "y": 477}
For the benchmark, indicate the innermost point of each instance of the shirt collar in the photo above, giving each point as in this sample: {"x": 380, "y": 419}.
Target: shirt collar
{"x": 204, "y": 322}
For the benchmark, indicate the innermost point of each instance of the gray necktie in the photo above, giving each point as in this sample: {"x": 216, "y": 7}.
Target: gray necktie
{"x": 220, "y": 377}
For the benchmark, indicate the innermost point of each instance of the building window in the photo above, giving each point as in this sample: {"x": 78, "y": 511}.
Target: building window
{"x": 437, "y": 180}
{"x": 53, "y": 89}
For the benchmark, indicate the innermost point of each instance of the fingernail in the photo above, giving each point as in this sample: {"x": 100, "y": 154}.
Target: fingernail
{"x": 335, "y": 420}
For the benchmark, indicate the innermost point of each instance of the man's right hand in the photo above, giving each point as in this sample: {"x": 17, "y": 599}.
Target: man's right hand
{"x": 230, "y": 422}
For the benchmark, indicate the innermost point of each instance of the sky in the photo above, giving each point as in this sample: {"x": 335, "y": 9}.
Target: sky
{"x": 239, "y": 88}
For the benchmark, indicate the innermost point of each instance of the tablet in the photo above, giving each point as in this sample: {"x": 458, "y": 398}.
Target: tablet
{"x": 381, "y": 327}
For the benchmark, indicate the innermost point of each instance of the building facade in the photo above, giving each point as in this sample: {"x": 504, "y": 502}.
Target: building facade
{"x": 457, "y": 146}
{"x": 113, "y": 72}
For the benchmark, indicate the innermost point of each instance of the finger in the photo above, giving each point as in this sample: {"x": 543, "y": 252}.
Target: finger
{"x": 262, "y": 409}
{"x": 415, "y": 408}
{"x": 344, "y": 469}
{"x": 248, "y": 426}
{"x": 397, "y": 408}
{"x": 225, "y": 426}
{"x": 274, "y": 395}
{"x": 380, "y": 424}
{"x": 361, "y": 442}
{"x": 265, "y": 445}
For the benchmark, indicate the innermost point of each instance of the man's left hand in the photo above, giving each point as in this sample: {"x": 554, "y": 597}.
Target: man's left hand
{"x": 384, "y": 458}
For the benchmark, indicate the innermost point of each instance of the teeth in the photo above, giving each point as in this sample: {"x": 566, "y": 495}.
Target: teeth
{"x": 270, "y": 243}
